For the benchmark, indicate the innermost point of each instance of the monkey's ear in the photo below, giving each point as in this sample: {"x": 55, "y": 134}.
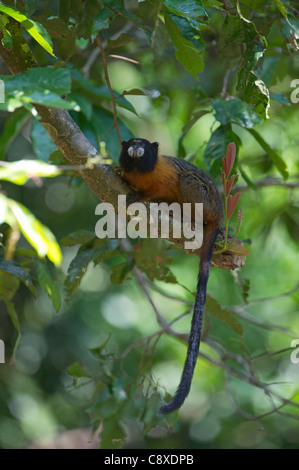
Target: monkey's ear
{"x": 123, "y": 142}
{"x": 155, "y": 144}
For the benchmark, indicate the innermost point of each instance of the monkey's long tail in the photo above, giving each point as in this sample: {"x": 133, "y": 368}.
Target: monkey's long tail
{"x": 197, "y": 319}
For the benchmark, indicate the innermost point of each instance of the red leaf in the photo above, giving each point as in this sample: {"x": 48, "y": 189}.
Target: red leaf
{"x": 231, "y": 204}
{"x": 223, "y": 177}
{"x": 229, "y": 158}
{"x": 240, "y": 250}
{"x": 229, "y": 184}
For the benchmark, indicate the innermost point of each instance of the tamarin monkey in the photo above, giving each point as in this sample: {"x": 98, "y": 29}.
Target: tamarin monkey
{"x": 172, "y": 179}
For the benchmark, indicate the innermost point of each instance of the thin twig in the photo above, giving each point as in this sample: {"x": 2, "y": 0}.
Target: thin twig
{"x": 104, "y": 57}
{"x": 170, "y": 296}
{"x": 235, "y": 405}
{"x": 276, "y": 297}
{"x": 121, "y": 57}
{"x": 158, "y": 333}
{"x": 263, "y": 184}
{"x": 260, "y": 323}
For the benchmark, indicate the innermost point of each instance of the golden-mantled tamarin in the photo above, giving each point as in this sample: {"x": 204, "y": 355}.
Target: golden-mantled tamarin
{"x": 172, "y": 179}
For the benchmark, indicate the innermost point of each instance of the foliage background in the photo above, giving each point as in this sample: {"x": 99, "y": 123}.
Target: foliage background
{"x": 61, "y": 379}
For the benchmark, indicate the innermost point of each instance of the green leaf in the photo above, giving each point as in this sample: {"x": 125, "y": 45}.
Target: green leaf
{"x": 12, "y": 127}
{"x": 98, "y": 93}
{"x": 21, "y": 171}
{"x": 13, "y": 268}
{"x": 235, "y": 110}
{"x": 187, "y": 8}
{"x": 77, "y": 371}
{"x": 223, "y": 314}
{"x": 77, "y": 269}
{"x": 240, "y": 39}
{"x": 281, "y": 8}
{"x": 255, "y": 43}
{"x": 41, "y": 35}
{"x": 39, "y": 85}
{"x": 101, "y": 21}
{"x": 276, "y": 159}
{"x": 215, "y": 4}
{"x": 152, "y": 258}
{"x": 255, "y": 92}
{"x": 36, "y": 30}
{"x": 9, "y": 285}
{"x": 84, "y": 104}
{"x": 47, "y": 284}
{"x": 217, "y": 145}
{"x": 98, "y": 351}
{"x": 78, "y": 238}
{"x": 6, "y": 41}
{"x": 117, "y": 6}
{"x": 121, "y": 272}
{"x": 189, "y": 29}
{"x": 142, "y": 92}
{"x": 38, "y": 235}
{"x": 185, "y": 53}
{"x": 253, "y": 89}
{"x": 42, "y": 143}
{"x": 112, "y": 435}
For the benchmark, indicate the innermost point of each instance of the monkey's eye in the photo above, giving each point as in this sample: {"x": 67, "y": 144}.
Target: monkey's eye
{"x": 140, "y": 151}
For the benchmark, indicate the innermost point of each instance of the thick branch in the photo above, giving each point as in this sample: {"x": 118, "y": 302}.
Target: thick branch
{"x": 102, "y": 179}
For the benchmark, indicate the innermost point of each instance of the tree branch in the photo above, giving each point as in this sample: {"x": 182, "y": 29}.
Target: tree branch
{"x": 102, "y": 179}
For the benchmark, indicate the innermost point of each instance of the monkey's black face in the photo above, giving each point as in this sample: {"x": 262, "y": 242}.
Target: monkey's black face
{"x": 139, "y": 154}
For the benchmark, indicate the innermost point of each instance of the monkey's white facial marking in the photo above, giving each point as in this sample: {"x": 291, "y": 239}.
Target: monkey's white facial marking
{"x": 135, "y": 152}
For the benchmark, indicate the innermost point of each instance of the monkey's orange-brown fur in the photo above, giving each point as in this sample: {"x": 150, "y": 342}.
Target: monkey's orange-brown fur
{"x": 161, "y": 183}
